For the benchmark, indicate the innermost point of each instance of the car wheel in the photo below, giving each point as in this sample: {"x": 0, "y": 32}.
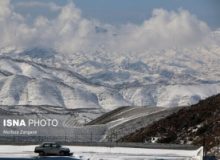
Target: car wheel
{"x": 62, "y": 153}
{"x": 41, "y": 153}
{"x": 67, "y": 154}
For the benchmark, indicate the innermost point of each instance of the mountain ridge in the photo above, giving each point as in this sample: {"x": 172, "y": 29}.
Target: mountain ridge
{"x": 164, "y": 79}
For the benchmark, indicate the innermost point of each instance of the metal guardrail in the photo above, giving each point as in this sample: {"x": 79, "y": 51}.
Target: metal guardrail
{"x": 85, "y": 138}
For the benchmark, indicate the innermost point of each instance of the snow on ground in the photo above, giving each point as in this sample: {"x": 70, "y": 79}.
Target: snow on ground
{"x": 128, "y": 123}
{"x": 179, "y": 95}
{"x": 107, "y": 153}
{"x": 166, "y": 78}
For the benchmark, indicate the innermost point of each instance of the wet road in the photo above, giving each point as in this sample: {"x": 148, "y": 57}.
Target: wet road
{"x": 39, "y": 158}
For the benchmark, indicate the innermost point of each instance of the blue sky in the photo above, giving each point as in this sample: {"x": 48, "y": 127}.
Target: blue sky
{"x": 133, "y": 11}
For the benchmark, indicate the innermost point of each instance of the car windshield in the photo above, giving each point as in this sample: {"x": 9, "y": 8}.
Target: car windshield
{"x": 56, "y": 146}
{"x": 46, "y": 145}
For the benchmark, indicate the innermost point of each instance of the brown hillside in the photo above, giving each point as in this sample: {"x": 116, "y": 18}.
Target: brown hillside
{"x": 198, "y": 124}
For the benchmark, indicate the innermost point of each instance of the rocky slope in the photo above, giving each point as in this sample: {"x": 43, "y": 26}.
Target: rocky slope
{"x": 198, "y": 124}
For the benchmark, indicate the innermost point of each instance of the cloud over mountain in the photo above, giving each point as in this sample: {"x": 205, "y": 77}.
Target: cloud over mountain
{"x": 70, "y": 32}
{"x": 159, "y": 62}
{"x": 166, "y": 29}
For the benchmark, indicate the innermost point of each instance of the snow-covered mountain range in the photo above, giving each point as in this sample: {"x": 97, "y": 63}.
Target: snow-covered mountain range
{"x": 165, "y": 78}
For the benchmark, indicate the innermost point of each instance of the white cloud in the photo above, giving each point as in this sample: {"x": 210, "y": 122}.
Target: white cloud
{"x": 4, "y": 8}
{"x": 36, "y": 4}
{"x": 70, "y": 32}
{"x": 13, "y": 29}
{"x": 165, "y": 29}
{"x": 67, "y": 33}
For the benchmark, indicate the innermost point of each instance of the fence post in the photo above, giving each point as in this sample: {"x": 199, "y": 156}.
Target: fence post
{"x": 91, "y": 137}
